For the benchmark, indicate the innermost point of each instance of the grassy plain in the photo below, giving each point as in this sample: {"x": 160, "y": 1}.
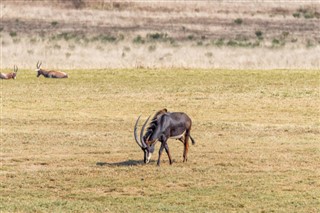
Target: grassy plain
{"x": 67, "y": 145}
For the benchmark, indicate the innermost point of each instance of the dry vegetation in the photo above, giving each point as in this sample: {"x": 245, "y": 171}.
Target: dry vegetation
{"x": 207, "y": 34}
{"x": 67, "y": 145}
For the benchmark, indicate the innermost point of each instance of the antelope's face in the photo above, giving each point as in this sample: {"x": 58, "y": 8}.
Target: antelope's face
{"x": 14, "y": 75}
{"x": 148, "y": 151}
{"x": 38, "y": 72}
{"x": 147, "y": 148}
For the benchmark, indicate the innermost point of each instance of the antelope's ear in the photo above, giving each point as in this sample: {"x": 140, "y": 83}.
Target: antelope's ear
{"x": 165, "y": 110}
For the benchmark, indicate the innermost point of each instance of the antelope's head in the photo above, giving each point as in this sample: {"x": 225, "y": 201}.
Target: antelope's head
{"x": 38, "y": 70}
{"x": 145, "y": 146}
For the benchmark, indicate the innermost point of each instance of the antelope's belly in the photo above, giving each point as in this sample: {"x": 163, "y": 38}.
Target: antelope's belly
{"x": 177, "y": 136}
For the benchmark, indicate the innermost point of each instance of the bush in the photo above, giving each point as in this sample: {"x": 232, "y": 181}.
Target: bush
{"x": 107, "y": 38}
{"x": 232, "y": 43}
{"x": 138, "y": 40}
{"x": 285, "y": 34}
{"x": 275, "y": 41}
{"x": 157, "y": 36}
{"x": 199, "y": 43}
{"x": 220, "y": 42}
{"x": 238, "y": 21}
{"x": 54, "y": 23}
{"x": 296, "y": 15}
{"x": 308, "y": 15}
{"x": 259, "y": 34}
{"x": 13, "y": 34}
{"x": 190, "y": 37}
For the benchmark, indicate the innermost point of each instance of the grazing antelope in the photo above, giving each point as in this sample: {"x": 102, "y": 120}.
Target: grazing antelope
{"x": 11, "y": 75}
{"x": 50, "y": 73}
{"x": 164, "y": 125}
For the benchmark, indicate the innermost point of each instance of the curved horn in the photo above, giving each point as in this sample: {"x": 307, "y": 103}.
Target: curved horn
{"x": 141, "y": 133}
{"x": 135, "y": 132}
{"x": 15, "y": 68}
{"x": 39, "y": 64}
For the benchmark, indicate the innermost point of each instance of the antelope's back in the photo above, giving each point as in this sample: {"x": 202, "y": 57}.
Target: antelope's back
{"x": 58, "y": 74}
{"x": 177, "y": 118}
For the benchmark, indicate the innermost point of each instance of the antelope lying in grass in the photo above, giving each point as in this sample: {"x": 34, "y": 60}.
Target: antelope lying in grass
{"x": 164, "y": 125}
{"x": 11, "y": 75}
{"x": 50, "y": 73}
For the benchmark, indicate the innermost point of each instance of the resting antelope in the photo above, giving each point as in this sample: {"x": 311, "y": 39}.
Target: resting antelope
{"x": 11, "y": 75}
{"x": 164, "y": 125}
{"x": 50, "y": 73}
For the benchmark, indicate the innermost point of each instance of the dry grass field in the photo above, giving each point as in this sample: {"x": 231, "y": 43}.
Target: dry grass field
{"x": 246, "y": 72}
{"x": 67, "y": 145}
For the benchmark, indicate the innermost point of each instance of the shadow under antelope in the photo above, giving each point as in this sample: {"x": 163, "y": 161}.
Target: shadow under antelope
{"x": 11, "y": 75}
{"x": 49, "y": 73}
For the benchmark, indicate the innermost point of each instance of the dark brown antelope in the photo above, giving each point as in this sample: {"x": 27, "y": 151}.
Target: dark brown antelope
{"x": 11, "y": 75}
{"x": 50, "y": 73}
{"x": 164, "y": 125}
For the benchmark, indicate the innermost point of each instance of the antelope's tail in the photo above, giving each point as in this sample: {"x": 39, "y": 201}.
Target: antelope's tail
{"x": 193, "y": 141}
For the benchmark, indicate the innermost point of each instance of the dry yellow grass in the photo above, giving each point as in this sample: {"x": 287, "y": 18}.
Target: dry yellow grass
{"x": 67, "y": 145}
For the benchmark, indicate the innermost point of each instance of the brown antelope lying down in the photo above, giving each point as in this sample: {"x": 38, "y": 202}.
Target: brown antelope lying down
{"x": 11, "y": 75}
{"x": 50, "y": 73}
{"x": 164, "y": 125}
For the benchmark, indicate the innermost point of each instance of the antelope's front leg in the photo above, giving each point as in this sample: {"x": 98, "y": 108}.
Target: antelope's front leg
{"x": 160, "y": 153}
{"x": 168, "y": 152}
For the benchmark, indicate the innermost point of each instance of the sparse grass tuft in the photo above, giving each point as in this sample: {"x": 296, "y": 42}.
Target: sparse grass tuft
{"x": 157, "y": 36}
{"x": 68, "y": 55}
{"x": 152, "y": 48}
{"x": 138, "y": 40}
{"x": 310, "y": 43}
{"x": 190, "y": 37}
{"x": 238, "y": 21}
{"x": 296, "y": 15}
{"x": 278, "y": 42}
{"x": 209, "y": 54}
{"x": 218, "y": 43}
{"x": 54, "y": 23}
{"x": 307, "y": 13}
{"x": 13, "y": 34}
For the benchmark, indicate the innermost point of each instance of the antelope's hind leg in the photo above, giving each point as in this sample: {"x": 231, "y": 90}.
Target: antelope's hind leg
{"x": 186, "y": 146}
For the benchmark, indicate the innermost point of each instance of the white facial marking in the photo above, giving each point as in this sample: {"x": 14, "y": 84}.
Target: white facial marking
{"x": 149, "y": 157}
